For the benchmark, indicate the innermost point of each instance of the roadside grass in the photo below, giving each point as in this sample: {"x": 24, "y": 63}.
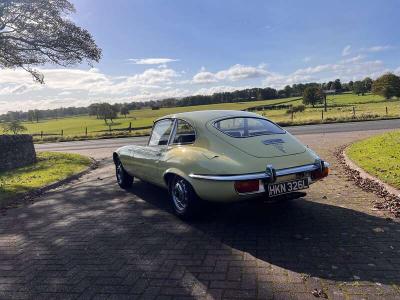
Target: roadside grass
{"x": 379, "y": 156}
{"x": 340, "y": 108}
{"x": 49, "y": 168}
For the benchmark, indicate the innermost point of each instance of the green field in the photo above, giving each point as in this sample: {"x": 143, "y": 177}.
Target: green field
{"x": 50, "y": 167}
{"x": 340, "y": 108}
{"x": 379, "y": 156}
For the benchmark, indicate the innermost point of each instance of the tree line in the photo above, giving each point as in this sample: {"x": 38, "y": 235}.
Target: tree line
{"x": 388, "y": 86}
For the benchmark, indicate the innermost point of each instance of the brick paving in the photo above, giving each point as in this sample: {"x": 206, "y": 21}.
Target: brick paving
{"x": 91, "y": 240}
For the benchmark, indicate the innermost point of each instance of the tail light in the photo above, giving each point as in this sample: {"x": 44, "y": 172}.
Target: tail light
{"x": 247, "y": 186}
{"x": 319, "y": 174}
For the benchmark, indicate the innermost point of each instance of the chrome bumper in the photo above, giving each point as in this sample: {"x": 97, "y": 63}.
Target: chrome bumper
{"x": 270, "y": 174}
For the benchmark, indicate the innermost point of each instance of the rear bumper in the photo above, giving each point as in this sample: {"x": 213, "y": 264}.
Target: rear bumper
{"x": 220, "y": 188}
{"x": 270, "y": 173}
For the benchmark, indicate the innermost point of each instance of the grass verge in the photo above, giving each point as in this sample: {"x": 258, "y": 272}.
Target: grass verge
{"x": 379, "y": 156}
{"x": 49, "y": 168}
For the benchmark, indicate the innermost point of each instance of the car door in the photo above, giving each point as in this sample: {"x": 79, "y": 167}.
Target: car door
{"x": 149, "y": 157}
{"x": 183, "y": 134}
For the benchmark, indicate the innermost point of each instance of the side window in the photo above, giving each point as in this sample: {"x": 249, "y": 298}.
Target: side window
{"x": 185, "y": 133}
{"x": 161, "y": 132}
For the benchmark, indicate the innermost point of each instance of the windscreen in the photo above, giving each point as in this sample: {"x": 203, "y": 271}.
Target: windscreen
{"x": 242, "y": 127}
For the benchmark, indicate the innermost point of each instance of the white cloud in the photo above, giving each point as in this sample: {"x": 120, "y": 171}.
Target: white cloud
{"x": 235, "y": 73}
{"x": 204, "y": 77}
{"x": 313, "y": 70}
{"x": 154, "y": 76}
{"x": 377, "y": 48}
{"x": 307, "y": 59}
{"x": 353, "y": 59}
{"x": 354, "y": 68}
{"x": 152, "y": 61}
{"x": 346, "y": 50}
{"x": 77, "y": 87}
{"x": 219, "y": 89}
{"x": 239, "y": 72}
{"x": 66, "y": 87}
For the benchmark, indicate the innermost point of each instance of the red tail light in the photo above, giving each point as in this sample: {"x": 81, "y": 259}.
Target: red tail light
{"x": 247, "y": 186}
{"x": 318, "y": 174}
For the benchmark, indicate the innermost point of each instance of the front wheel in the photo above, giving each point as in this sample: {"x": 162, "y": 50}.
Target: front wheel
{"x": 185, "y": 202}
{"x": 123, "y": 178}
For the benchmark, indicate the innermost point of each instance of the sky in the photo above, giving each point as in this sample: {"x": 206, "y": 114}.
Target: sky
{"x": 155, "y": 49}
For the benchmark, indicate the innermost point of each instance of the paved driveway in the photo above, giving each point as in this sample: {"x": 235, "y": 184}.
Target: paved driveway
{"x": 90, "y": 239}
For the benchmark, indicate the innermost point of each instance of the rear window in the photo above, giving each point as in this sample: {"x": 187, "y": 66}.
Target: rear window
{"x": 242, "y": 127}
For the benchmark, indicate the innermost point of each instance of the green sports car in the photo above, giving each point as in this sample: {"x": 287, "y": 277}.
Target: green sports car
{"x": 220, "y": 156}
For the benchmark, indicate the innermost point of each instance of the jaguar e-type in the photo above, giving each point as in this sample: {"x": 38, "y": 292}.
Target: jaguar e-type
{"x": 220, "y": 156}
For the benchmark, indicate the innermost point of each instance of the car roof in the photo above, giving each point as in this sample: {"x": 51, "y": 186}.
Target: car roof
{"x": 204, "y": 116}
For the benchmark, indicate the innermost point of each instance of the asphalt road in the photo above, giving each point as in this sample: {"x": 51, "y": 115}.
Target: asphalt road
{"x": 296, "y": 130}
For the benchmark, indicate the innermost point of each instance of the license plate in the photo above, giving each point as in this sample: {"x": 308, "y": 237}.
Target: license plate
{"x": 281, "y": 188}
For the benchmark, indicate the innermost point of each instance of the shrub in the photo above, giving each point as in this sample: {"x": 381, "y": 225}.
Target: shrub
{"x": 297, "y": 108}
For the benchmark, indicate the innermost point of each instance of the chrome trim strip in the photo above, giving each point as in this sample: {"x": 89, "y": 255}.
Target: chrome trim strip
{"x": 288, "y": 171}
{"x": 282, "y": 172}
{"x": 230, "y": 177}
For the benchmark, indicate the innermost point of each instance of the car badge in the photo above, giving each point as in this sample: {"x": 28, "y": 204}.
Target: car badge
{"x": 279, "y": 147}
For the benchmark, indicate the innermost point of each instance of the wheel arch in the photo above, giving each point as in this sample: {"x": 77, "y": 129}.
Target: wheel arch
{"x": 172, "y": 172}
{"x": 116, "y": 157}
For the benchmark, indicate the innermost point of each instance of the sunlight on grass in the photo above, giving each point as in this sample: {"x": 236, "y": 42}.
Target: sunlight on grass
{"x": 340, "y": 108}
{"x": 50, "y": 167}
{"x": 379, "y": 156}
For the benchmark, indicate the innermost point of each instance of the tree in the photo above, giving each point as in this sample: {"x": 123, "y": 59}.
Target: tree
{"x": 37, "y": 115}
{"x": 367, "y": 84}
{"x": 14, "y": 126}
{"x": 94, "y": 110}
{"x": 312, "y": 95}
{"x": 359, "y": 88}
{"x": 288, "y": 91}
{"x": 388, "y": 86}
{"x": 36, "y": 32}
{"x": 107, "y": 111}
{"x": 124, "y": 110}
{"x": 30, "y": 115}
{"x": 336, "y": 85}
{"x": 350, "y": 85}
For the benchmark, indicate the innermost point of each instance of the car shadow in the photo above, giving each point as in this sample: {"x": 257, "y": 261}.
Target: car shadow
{"x": 94, "y": 238}
{"x": 302, "y": 236}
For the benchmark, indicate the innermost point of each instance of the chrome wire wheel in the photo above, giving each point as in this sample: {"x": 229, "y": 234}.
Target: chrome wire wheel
{"x": 180, "y": 196}
{"x": 124, "y": 179}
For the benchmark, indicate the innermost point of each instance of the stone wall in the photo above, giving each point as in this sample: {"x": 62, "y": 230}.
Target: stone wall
{"x": 16, "y": 151}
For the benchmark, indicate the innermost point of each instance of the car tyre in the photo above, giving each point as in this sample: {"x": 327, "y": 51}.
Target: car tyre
{"x": 185, "y": 202}
{"x": 124, "y": 180}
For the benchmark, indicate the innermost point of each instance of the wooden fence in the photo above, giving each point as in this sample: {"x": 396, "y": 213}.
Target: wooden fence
{"x": 86, "y": 131}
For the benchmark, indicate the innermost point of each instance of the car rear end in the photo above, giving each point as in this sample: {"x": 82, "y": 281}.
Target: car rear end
{"x": 269, "y": 161}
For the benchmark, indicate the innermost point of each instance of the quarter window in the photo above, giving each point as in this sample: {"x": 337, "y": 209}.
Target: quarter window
{"x": 242, "y": 127}
{"x": 161, "y": 132}
{"x": 185, "y": 133}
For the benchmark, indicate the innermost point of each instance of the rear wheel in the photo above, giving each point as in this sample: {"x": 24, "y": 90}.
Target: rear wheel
{"x": 123, "y": 178}
{"x": 185, "y": 203}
